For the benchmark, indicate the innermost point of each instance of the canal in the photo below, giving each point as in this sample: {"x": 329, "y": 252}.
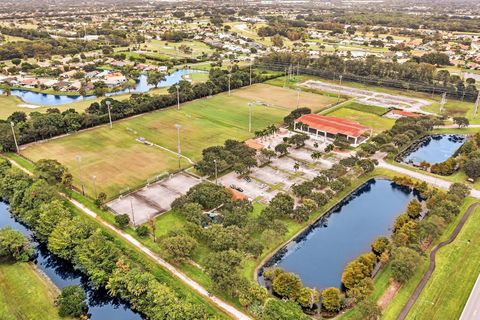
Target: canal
{"x": 62, "y": 273}
{"x": 320, "y": 253}
{"x": 142, "y": 86}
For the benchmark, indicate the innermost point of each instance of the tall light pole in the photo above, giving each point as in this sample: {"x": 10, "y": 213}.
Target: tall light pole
{"x": 250, "y": 74}
{"x": 216, "y": 171}
{"x": 477, "y": 103}
{"x": 108, "y": 102}
{"x": 341, "y": 77}
{"x": 178, "y": 143}
{"x": 133, "y": 212}
{"x": 229, "y": 79}
{"x": 14, "y": 136}
{"x": 298, "y": 96}
{"x": 178, "y": 96}
{"x": 78, "y": 158}
{"x": 94, "y": 185}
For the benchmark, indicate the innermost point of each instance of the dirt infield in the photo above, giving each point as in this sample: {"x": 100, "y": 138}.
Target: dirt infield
{"x": 371, "y": 97}
{"x": 153, "y": 199}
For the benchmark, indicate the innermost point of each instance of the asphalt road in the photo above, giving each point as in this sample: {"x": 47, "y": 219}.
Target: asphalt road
{"x": 472, "y": 308}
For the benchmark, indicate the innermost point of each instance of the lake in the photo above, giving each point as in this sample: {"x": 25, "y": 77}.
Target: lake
{"x": 62, "y": 273}
{"x": 320, "y": 254}
{"x": 142, "y": 86}
{"x": 434, "y": 149}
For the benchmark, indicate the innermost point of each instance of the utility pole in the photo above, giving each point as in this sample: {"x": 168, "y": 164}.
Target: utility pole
{"x": 14, "y": 136}
{"x": 285, "y": 84}
{"x": 178, "y": 143}
{"x": 229, "y": 80}
{"x": 108, "y": 102}
{"x": 178, "y": 96}
{"x": 443, "y": 102}
{"x": 477, "y": 103}
{"x": 94, "y": 186}
{"x": 298, "y": 68}
{"x": 78, "y": 158}
{"x": 341, "y": 77}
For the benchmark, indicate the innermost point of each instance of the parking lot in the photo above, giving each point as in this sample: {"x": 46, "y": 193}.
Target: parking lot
{"x": 153, "y": 199}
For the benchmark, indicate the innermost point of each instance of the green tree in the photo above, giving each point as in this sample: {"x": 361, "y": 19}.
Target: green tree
{"x": 287, "y": 285}
{"x": 282, "y": 204}
{"x": 368, "y": 310}
{"x": 308, "y": 298}
{"x": 179, "y": 248}
{"x": 51, "y": 214}
{"x": 67, "y": 235}
{"x": 404, "y": 263}
{"x": 275, "y": 309}
{"x": 155, "y": 77}
{"x": 71, "y": 302}
{"x": 414, "y": 209}
{"x": 50, "y": 170}
{"x": 14, "y": 245}
{"x": 472, "y": 168}
{"x": 380, "y": 245}
{"x": 222, "y": 267}
{"x": 331, "y": 299}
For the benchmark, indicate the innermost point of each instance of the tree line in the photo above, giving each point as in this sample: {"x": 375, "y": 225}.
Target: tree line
{"x": 414, "y": 75}
{"x": 36, "y": 202}
{"x": 39, "y": 126}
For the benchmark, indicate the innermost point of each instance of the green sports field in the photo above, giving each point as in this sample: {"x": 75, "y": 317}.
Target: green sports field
{"x": 118, "y": 161}
{"x": 377, "y": 123}
{"x": 25, "y": 294}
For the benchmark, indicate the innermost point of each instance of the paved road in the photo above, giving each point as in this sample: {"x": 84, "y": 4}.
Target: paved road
{"x": 434, "y": 181}
{"x": 230, "y": 310}
{"x": 418, "y": 290}
{"x": 472, "y": 308}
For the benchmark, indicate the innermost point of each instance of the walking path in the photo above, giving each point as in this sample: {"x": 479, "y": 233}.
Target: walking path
{"x": 229, "y": 309}
{"x": 434, "y": 181}
{"x": 418, "y": 290}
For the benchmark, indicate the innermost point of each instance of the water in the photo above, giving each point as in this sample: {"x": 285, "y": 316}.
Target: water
{"x": 320, "y": 254}
{"x": 62, "y": 273}
{"x": 434, "y": 149}
{"x": 44, "y": 99}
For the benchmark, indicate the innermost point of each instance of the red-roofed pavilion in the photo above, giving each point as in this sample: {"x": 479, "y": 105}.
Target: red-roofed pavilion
{"x": 319, "y": 126}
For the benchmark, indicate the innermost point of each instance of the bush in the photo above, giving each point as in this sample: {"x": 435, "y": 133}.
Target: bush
{"x": 142, "y": 231}
{"x": 404, "y": 263}
{"x": 122, "y": 220}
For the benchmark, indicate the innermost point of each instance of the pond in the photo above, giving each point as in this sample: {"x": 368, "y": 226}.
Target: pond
{"x": 433, "y": 149}
{"x": 320, "y": 254}
{"x": 46, "y": 99}
{"x": 62, "y": 273}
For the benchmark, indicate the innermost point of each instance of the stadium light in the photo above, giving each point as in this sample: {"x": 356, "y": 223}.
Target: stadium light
{"x": 14, "y": 136}
{"x": 108, "y": 102}
{"x": 178, "y": 96}
{"x": 178, "y": 126}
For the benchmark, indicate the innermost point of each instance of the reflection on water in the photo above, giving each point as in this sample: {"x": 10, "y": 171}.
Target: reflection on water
{"x": 434, "y": 149}
{"x": 62, "y": 273}
{"x": 46, "y": 99}
{"x": 320, "y": 254}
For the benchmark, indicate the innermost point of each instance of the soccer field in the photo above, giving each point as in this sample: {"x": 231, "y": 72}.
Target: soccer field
{"x": 118, "y": 161}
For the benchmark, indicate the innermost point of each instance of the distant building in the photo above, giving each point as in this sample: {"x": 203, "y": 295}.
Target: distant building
{"x": 325, "y": 127}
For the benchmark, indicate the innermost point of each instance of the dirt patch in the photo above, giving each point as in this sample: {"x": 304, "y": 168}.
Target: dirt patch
{"x": 389, "y": 294}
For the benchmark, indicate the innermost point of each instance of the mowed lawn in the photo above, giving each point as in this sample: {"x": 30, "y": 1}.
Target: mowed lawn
{"x": 457, "y": 269}
{"x": 284, "y": 97}
{"x": 377, "y": 123}
{"x": 118, "y": 161}
{"x": 25, "y": 294}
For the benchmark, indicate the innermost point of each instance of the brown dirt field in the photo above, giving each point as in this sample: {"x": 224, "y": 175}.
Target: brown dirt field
{"x": 389, "y": 294}
{"x": 284, "y": 97}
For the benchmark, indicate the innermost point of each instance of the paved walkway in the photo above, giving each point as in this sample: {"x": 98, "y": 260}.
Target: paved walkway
{"x": 229, "y": 309}
{"x": 418, "y": 290}
{"x": 434, "y": 181}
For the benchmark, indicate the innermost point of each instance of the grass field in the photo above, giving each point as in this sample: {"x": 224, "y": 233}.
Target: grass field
{"x": 118, "y": 161}
{"x": 25, "y": 294}
{"x": 170, "y": 49}
{"x": 379, "y": 111}
{"x": 377, "y": 123}
{"x": 447, "y": 291}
